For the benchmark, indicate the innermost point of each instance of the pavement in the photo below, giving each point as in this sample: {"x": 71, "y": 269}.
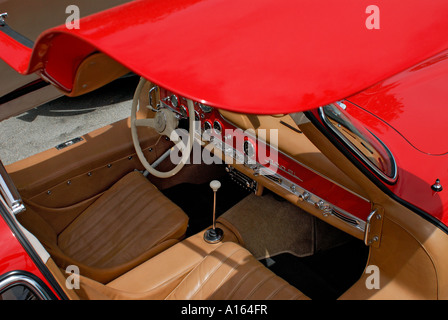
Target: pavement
{"x": 63, "y": 119}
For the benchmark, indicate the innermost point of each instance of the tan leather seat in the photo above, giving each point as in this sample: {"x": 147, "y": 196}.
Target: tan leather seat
{"x": 128, "y": 224}
{"x": 230, "y": 272}
{"x": 227, "y": 272}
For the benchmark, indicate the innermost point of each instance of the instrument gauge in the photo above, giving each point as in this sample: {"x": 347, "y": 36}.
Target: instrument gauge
{"x": 249, "y": 148}
{"x": 217, "y": 127}
{"x": 183, "y": 111}
{"x": 207, "y": 126}
{"x": 205, "y": 108}
{"x": 174, "y": 101}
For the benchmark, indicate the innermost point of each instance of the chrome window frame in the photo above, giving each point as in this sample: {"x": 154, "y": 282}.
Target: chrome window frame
{"x": 360, "y": 155}
{"x": 14, "y": 279}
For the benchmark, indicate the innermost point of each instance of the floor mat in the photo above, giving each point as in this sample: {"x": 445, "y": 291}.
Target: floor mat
{"x": 270, "y": 227}
{"x": 197, "y": 201}
{"x": 325, "y": 275}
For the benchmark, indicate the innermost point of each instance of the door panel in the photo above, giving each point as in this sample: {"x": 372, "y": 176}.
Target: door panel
{"x": 59, "y": 178}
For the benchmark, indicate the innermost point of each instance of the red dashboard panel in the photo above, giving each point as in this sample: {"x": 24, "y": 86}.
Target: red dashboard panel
{"x": 244, "y": 147}
{"x": 270, "y": 160}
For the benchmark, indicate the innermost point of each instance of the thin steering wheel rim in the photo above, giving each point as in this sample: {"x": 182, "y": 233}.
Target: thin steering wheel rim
{"x": 185, "y": 153}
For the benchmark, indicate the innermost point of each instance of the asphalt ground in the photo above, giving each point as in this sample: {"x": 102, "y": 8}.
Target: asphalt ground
{"x": 63, "y": 119}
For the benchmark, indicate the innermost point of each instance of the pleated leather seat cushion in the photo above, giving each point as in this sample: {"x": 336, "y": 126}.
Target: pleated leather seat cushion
{"x": 226, "y": 271}
{"x": 230, "y": 272}
{"x": 128, "y": 224}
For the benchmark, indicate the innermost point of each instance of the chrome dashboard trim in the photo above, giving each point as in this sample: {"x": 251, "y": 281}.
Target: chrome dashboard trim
{"x": 177, "y": 113}
{"x": 304, "y": 195}
{"x": 326, "y": 207}
{"x": 303, "y": 165}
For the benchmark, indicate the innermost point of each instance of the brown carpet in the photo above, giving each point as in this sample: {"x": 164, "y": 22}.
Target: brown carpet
{"x": 270, "y": 227}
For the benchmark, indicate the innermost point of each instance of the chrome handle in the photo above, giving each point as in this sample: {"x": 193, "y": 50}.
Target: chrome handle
{"x": 153, "y": 108}
{"x": 9, "y": 191}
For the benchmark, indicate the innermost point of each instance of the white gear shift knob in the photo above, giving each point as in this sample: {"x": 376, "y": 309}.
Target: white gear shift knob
{"x": 214, "y": 235}
{"x": 215, "y": 185}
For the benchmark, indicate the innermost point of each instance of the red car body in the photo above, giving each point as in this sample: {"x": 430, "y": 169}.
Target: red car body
{"x": 271, "y": 58}
{"x": 18, "y": 262}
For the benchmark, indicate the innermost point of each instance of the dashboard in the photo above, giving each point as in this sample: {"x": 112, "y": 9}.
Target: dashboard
{"x": 262, "y": 151}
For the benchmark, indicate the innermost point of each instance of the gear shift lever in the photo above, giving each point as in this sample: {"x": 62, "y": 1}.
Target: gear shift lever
{"x": 214, "y": 235}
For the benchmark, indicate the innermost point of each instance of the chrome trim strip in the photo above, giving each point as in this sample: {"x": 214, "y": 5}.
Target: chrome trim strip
{"x": 326, "y": 207}
{"x": 360, "y": 154}
{"x": 344, "y": 217}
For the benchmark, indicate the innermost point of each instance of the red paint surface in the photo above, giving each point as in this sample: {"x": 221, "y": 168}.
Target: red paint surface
{"x": 417, "y": 171}
{"x": 267, "y": 57}
{"x": 414, "y": 103}
{"x": 409, "y": 112}
{"x": 15, "y": 54}
{"x": 258, "y": 57}
{"x": 14, "y": 257}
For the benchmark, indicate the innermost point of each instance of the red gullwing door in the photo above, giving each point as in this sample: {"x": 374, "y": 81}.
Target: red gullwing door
{"x": 264, "y": 57}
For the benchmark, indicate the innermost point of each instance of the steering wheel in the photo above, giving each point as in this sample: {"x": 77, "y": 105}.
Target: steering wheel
{"x": 165, "y": 123}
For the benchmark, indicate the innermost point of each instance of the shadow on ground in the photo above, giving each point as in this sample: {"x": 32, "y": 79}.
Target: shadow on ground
{"x": 123, "y": 89}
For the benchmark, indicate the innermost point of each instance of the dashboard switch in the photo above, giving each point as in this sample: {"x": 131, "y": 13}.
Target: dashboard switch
{"x": 304, "y": 196}
{"x": 320, "y": 205}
